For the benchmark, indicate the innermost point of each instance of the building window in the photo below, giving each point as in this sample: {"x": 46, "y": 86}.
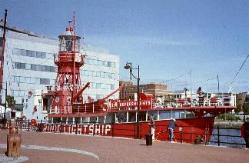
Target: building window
{"x": 98, "y": 96}
{"x": 19, "y": 65}
{"x": 100, "y": 62}
{"x": 29, "y": 53}
{"x": 17, "y": 79}
{"x": 34, "y": 67}
{"x": 109, "y": 64}
{"x": 112, "y": 86}
{"x": 98, "y": 85}
{"x": 44, "y": 81}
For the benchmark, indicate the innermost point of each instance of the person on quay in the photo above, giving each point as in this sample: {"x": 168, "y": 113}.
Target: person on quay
{"x": 152, "y": 127}
{"x": 171, "y": 128}
{"x": 245, "y": 132}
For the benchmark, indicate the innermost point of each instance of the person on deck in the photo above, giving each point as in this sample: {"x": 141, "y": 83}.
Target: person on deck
{"x": 171, "y": 128}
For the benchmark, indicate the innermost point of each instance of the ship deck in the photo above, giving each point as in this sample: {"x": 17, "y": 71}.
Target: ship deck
{"x": 107, "y": 149}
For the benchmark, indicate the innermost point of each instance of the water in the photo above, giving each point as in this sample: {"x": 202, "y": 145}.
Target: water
{"x": 239, "y": 141}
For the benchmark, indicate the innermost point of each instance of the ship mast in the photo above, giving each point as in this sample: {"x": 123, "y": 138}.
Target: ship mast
{"x": 3, "y": 49}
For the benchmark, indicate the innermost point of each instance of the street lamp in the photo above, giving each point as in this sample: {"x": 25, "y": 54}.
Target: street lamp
{"x": 130, "y": 67}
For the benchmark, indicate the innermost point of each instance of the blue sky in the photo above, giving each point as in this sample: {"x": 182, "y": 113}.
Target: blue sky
{"x": 184, "y": 43}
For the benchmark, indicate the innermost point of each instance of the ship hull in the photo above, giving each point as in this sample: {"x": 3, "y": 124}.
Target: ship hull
{"x": 189, "y": 130}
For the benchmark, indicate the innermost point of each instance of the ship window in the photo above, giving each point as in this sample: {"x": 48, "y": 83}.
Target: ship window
{"x": 132, "y": 117}
{"x": 85, "y": 119}
{"x": 56, "y": 120}
{"x": 165, "y": 115}
{"x": 153, "y": 114}
{"x": 182, "y": 115}
{"x": 93, "y": 119}
{"x": 69, "y": 44}
{"x": 77, "y": 120}
{"x": 190, "y": 115}
{"x": 110, "y": 118}
{"x": 121, "y": 117}
{"x": 142, "y": 116}
{"x": 177, "y": 114}
{"x": 70, "y": 121}
{"x": 100, "y": 119}
{"x": 64, "y": 120}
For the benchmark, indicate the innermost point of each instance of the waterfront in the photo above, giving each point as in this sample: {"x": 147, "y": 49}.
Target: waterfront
{"x": 230, "y": 137}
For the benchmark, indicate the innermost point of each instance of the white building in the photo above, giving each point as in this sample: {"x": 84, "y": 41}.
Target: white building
{"x": 29, "y": 66}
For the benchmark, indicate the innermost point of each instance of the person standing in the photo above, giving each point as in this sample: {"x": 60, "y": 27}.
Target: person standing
{"x": 152, "y": 127}
{"x": 245, "y": 132}
{"x": 171, "y": 128}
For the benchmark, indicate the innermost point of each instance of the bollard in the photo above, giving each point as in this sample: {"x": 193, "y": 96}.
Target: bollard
{"x": 148, "y": 138}
{"x": 218, "y": 135}
{"x": 13, "y": 141}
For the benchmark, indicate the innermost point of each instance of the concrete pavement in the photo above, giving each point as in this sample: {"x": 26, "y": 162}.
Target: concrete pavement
{"x": 50, "y": 147}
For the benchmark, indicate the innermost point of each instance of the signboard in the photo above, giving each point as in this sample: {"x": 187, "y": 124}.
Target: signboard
{"x": 130, "y": 103}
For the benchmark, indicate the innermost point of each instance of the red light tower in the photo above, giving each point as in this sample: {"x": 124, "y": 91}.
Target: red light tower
{"x": 68, "y": 84}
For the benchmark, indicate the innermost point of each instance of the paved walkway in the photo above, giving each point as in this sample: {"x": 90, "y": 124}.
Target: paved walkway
{"x": 49, "y": 147}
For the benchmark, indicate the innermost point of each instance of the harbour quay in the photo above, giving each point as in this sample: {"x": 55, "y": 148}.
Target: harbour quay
{"x": 50, "y": 147}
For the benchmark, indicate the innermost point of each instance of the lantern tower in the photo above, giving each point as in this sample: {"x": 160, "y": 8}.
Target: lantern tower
{"x": 68, "y": 89}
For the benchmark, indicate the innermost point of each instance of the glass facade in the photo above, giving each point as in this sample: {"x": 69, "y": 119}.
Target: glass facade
{"x": 31, "y": 80}
{"x": 98, "y": 62}
{"x": 30, "y": 53}
{"x": 34, "y": 67}
{"x": 100, "y": 74}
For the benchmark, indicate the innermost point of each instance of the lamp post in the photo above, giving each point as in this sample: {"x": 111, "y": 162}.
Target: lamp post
{"x": 5, "y": 104}
{"x": 130, "y": 67}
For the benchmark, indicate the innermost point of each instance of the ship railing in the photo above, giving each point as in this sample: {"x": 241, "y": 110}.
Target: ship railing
{"x": 79, "y": 58}
{"x": 220, "y": 136}
{"x": 219, "y": 101}
{"x": 192, "y": 104}
{"x": 227, "y": 136}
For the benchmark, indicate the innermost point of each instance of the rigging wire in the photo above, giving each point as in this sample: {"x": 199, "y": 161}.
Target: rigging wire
{"x": 242, "y": 65}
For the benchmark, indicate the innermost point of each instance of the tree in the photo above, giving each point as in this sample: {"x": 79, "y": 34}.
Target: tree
{"x": 238, "y": 108}
{"x": 245, "y": 108}
{"x": 10, "y": 101}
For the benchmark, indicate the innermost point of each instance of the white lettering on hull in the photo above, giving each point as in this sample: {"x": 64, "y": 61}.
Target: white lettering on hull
{"x": 91, "y": 129}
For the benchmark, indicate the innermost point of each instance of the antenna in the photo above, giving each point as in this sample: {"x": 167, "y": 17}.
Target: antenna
{"x": 218, "y": 83}
{"x": 74, "y": 22}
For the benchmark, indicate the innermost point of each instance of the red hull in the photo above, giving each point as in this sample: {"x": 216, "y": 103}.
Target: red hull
{"x": 187, "y": 130}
